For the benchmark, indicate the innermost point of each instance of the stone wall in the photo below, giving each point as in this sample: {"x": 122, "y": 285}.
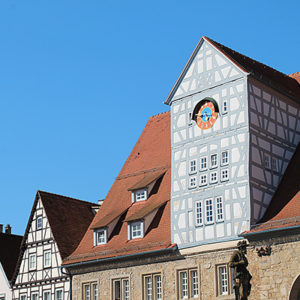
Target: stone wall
{"x": 273, "y": 275}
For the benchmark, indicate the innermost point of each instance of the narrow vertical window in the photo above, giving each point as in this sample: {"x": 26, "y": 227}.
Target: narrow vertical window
{"x": 225, "y": 158}
{"x": 203, "y": 163}
{"x": 274, "y": 164}
{"x": 223, "y": 280}
{"x": 225, "y": 106}
{"x": 149, "y": 288}
{"x": 39, "y": 223}
{"x": 199, "y": 213}
{"x": 193, "y": 166}
{"x": 192, "y": 182}
{"x": 126, "y": 289}
{"x": 47, "y": 259}
{"x": 184, "y": 285}
{"x": 87, "y": 292}
{"x": 209, "y": 211}
{"x": 194, "y": 285}
{"x": 58, "y": 295}
{"x": 213, "y": 177}
{"x": 158, "y": 288}
{"x": 219, "y": 209}
{"x": 203, "y": 179}
{"x": 267, "y": 161}
{"x": 224, "y": 174}
{"x": 117, "y": 290}
{"x": 95, "y": 291}
{"x": 32, "y": 261}
{"x": 121, "y": 289}
{"x": 213, "y": 160}
{"x": 34, "y": 296}
{"x": 24, "y": 297}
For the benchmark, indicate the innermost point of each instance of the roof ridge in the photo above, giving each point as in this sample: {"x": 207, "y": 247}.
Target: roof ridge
{"x": 159, "y": 114}
{"x": 66, "y": 197}
{"x": 143, "y": 172}
{"x": 254, "y": 60}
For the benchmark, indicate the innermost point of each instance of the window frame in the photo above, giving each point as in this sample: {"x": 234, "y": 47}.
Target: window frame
{"x": 197, "y": 220}
{"x": 201, "y": 163}
{"x": 131, "y": 227}
{"x": 30, "y": 268}
{"x": 34, "y": 294}
{"x": 140, "y": 195}
{"x": 225, "y": 103}
{"x": 210, "y": 177}
{"x": 154, "y": 290}
{"x": 46, "y": 292}
{"x": 211, "y": 215}
{"x": 203, "y": 175}
{"x": 39, "y": 225}
{"x": 62, "y": 294}
{"x": 193, "y": 168}
{"x": 274, "y": 167}
{"x": 23, "y": 295}
{"x": 219, "y": 280}
{"x": 92, "y": 294}
{"x": 219, "y": 219}
{"x": 44, "y": 259}
{"x": 222, "y": 179}
{"x": 216, "y": 161}
{"x": 227, "y": 158}
{"x": 188, "y": 286}
{"x": 122, "y": 281}
{"x": 194, "y": 179}
{"x": 96, "y": 240}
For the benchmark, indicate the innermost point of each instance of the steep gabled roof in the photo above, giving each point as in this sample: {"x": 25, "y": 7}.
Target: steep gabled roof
{"x": 9, "y": 252}
{"x": 150, "y": 157}
{"x": 284, "y": 208}
{"x": 68, "y": 218}
{"x": 288, "y": 85}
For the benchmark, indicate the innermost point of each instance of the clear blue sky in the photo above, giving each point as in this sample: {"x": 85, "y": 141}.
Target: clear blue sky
{"x": 79, "y": 80}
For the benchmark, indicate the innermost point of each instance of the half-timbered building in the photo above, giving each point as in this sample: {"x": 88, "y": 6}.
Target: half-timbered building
{"x": 55, "y": 227}
{"x": 200, "y": 178}
{"x": 9, "y": 253}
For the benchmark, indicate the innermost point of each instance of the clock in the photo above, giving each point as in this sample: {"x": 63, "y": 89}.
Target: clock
{"x": 206, "y": 113}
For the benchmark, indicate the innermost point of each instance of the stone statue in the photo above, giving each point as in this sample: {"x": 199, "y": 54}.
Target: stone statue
{"x": 241, "y": 275}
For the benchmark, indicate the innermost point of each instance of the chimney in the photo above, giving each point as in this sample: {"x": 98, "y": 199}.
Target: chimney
{"x": 1, "y": 228}
{"x": 8, "y": 229}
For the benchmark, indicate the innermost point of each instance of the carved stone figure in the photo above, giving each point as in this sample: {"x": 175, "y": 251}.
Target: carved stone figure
{"x": 242, "y": 277}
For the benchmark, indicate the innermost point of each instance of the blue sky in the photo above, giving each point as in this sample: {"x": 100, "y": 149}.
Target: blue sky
{"x": 79, "y": 80}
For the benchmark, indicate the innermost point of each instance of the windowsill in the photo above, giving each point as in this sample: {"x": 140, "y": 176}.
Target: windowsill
{"x": 214, "y": 182}
{"x": 202, "y": 170}
{"x": 224, "y": 180}
{"x": 214, "y": 167}
{"x": 48, "y": 267}
{"x": 193, "y": 172}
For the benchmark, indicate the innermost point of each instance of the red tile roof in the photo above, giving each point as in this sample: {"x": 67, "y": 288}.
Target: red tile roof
{"x": 68, "y": 218}
{"x": 284, "y": 209}
{"x": 151, "y": 155}
{"x": 9, "y": 252}
{"x": 296, "y": 76}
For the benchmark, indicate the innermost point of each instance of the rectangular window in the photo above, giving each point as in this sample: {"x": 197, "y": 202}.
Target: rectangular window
{"x": 192, "y": 182}
{"x": 121, "y": 289}
{"x": 23, "y": 297}
{"x": 213, "y": 160}
{"x": 34, "y": 296}
{"x": 224, "y": 280}
{"x": 209, "y": 211}
{"x": 32, "y": 261}
{"x": 190, "y": 118}
{"x": 193, "y": 166}
{"x": 213, "y": 177}
{"x": 140, "y": 195}
{"x": 203, "y": 163}
{"x": 225, "y": 106}
{"x": 100, "y": 237}
{"x": 39, "y": 222}
{"x": 219, "y": 209}
{"x": 199, "y": 213}
{"x": 188, "y": 284}
{"x": 267, "y": 161}
{"x": 47, "y": 258}
{"x": 225, "y": 158}
{"x": 90, "y": 291}
{"x": 136, "y": 230}
{"x": 46, "y": 295}
{"x": 152, "y": 287}
{"x": 274, "y": 164}
{"x": 59, "y": 294}
{"x": 224, "y": 174}
{"x": 203, "y": 179}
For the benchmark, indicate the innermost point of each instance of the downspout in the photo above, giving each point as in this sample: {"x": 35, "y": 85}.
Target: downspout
{"x": 70, "y": 277}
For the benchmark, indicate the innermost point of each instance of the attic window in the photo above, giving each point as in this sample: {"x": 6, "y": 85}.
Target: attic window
{"x": 39, "y": 223}
{"x": 100, "y": 237}
{"x": 135, "y": 230}
{"x": 139, "y": 195}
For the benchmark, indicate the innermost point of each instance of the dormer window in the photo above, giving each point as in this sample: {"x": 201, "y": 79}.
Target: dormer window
{"x": 135, "y": 230}
{"x": 100, "y": 236}
{"x": 139, "y": 195}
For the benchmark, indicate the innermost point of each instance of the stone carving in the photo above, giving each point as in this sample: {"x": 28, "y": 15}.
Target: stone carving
{"x": 241, "y": 275}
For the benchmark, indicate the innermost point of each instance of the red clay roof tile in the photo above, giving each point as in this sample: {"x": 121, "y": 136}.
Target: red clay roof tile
{"x": 152, "y": 153}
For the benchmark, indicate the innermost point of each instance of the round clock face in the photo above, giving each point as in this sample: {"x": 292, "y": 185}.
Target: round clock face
{"x": 207, "y": 115}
